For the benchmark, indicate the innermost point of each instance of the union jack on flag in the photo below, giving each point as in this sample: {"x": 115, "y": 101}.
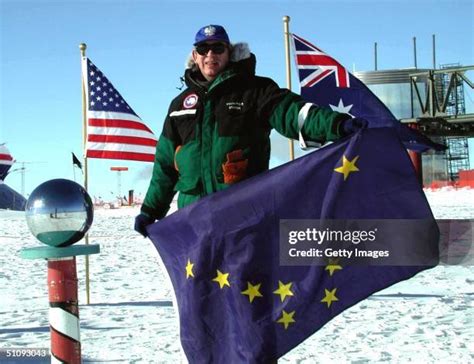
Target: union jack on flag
{"x": 315, "y": 65}
{"x": 114, "y": 130}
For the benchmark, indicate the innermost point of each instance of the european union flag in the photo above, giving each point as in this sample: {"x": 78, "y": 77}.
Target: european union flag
{"x": 325, "y": 82}
{"x": 237, "y": 303}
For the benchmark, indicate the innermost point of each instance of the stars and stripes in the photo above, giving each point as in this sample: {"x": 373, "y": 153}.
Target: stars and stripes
{"x": 5, "y": 156}
{"x": 114, "y": 130}
{"x": 315, "y": 65}
{"x": 6, "y": 161}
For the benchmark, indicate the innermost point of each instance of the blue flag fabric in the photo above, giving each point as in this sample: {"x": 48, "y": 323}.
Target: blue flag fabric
{"x": 325, "y": 82}
{"x": 236, "y": 302}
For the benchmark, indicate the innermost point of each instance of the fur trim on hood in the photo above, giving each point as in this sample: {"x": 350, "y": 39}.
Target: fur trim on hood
{"x": 240, "y": 51}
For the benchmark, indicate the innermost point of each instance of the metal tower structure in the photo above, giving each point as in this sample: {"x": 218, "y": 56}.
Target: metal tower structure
{"x": 22, "y": 170}
{"x": 457, "y": 154}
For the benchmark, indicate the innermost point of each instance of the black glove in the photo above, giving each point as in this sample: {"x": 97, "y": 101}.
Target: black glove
{"x": 350, "y": 126}
{"x": 141, "y": 222}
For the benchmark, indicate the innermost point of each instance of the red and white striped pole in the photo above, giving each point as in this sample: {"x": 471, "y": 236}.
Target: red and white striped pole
{"x": 59, "y": 213}
{"x": 64, "y": 311}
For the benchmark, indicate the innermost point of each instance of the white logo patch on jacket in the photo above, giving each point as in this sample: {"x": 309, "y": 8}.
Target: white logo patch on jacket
{"x": 190, "y": 101}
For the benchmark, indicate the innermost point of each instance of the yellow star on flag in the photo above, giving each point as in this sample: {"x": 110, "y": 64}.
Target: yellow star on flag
{"x": 252, "y": 291}
{"x": 286, "y": 318}
{"x": 332, "y": 267}
{"x": 189, "y": 269}
{"x": 283, "y": 290}
{"x": 330, "y": 296}
{"x": 347, "y": 166}
{"x": 222, "y": 279}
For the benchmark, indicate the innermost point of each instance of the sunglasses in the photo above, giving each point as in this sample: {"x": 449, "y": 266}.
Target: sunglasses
{"x": 216, "y": 48}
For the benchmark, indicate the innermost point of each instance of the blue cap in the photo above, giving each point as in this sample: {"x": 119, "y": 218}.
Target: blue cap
{"x": 211, "y": 32}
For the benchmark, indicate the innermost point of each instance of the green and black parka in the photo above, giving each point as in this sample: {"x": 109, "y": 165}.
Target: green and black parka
{"x": 218, "y": 133}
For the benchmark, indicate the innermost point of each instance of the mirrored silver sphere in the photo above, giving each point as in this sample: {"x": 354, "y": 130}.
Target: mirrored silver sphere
{"x": 59, "y": 212}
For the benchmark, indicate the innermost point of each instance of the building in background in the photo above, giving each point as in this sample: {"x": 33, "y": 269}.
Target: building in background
{"x": 433, "y": 100}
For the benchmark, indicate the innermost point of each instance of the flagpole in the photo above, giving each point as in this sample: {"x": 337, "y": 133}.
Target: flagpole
{"x": 286, "y": 31}
{"x": 74, "y": 171}
{"x": 82, "y": 48}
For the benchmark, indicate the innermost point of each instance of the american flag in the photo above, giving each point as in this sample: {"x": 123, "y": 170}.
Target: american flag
{"x": 325, "y": 82}
{"x": 6, "y": 161}
{"x": 114, "y": 130}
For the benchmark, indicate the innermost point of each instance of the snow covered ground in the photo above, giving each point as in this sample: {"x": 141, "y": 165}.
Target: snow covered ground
{"x": 428, "y": 319}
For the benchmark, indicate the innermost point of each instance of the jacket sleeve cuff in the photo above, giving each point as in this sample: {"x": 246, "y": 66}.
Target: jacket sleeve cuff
{"x": 338, "y": 128}
{"x": 157, "y": 213}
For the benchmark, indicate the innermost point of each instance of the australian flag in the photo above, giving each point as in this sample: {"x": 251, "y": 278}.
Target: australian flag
{"x": 325, "y": 82}
{"x": 237, "y": 302}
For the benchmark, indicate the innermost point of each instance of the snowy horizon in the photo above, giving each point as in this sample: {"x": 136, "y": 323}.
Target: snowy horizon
{"x": 131, "y": 318}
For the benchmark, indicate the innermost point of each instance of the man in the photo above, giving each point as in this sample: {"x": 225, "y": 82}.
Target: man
{"x": 217, "y": 131}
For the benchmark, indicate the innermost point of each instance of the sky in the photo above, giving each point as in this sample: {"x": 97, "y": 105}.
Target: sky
{"x": 141, "y": 46}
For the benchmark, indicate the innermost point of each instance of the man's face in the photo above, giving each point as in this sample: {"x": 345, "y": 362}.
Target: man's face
{"x": 211, "y": 58}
